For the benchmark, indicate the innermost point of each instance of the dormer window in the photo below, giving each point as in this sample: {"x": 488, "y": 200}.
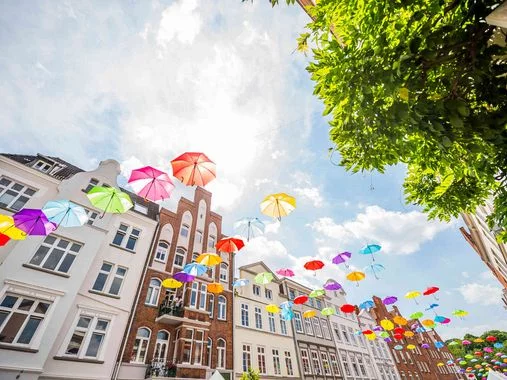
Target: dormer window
{"x": 42, "y": 166}
{"x": 140, "y": 208}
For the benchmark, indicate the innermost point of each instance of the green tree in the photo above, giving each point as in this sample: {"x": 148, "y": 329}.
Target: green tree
{"x": 420, "y": 83}
{"x": 251, "y": 374}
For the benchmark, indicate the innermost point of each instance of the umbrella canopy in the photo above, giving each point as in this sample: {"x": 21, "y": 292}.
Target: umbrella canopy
{"x": 151, "y": 183}
{"x": 341, "y": 257}
{"x": 249, "y": 227}
{"x": 327, "y": 311}
{"x": 398, "y": 347}
{"x": 287, "y": 314}
{"x": 370, "y": 249}
{"x": 428, "y": 323}
{"x": 278, "y": 205}
{"x": 215, "y": 288}
{"x": 460, "y": 313}
{"x": 408, "y": 334}
{"x": 286, "y": 272}
{"x": 389, "y": 300}
{"x": 171, "y": 283}
{"x": 425, "y": 345}
{"x": 110, "y": 199}
{"x": 287, "y": 304}
{"x": 314, "y": 265}
{"x": 366, "y": 305}
{"x": 374, "y": 269}
{"x": 309, "y": 314}
{"x": 195, "y": 269}
{"x": 264, "y": 278}
{"x": 33, "y": 222}
{"x": 453, "y": 343}
{"x": 399, "y": 320}
{"x": 412, "y": 295}
{"x": 299, "y": 300}
{"x": 431, "y": 290}
{"x": 370, "y": 336}
{"x": 356, "y": 277}
{"x": 478, "y": 340}
{"x": 387, "y": 324}
{"x": 241, "y": 282}
{"x": 317, "y": 293}
{"x": 410, "y": 347}
{"x": 466, "y": 342}
{"x": 194, "y": 169}
{"x": 272, "y": 308}
{"x": 65, "y": 213}
{"x": 432, "y": 306}
{"x": 332, "y": 285}
{"x": 183, "y": 277}
{"x": 4, "y": 239}
{"x": 208, "y": 259}
{"x": 491, "y": 338}
{"x": 439, "y": 345}
{"x": 439, "y": 318}
{"x": 9, "y": 229}
{"x": 399, "y": 330}
{"x": 416, "y": 315}
{"x": 347, "y": 308}
{"x": 230, "y": 245}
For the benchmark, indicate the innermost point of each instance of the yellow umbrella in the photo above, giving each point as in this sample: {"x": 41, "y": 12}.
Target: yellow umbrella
{"x": 478, "y": 340}
{"x": 309, "y": 314}
{"x": 399, "y": 320}
{"x": 387, "y": 324}
{"x": 8, "y": 228}
{"x": 278, "y": 205}
{"x": 208, "y": 259}
{"x": 410, "y": 347}
{"x": 371, "y": 336}
{"x": 356, "y": 277}
{"x": 171, "y": 283}
{"x": 428, "y": 322}
{"x": 215, "y": 288}
{"x": 412, "y": 296}
{"x": 272, "y": 308}
{"x": 408, "y": 334}
{"x": 440, "y": 364}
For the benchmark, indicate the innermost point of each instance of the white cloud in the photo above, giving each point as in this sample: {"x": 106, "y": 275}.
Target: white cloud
{"x": 180, "y": 20}
{"x": 465, "y": 274}
{"x": 225, "y": 193}
{"x": 486, "y": 276}
{"x": 310, "y": 193}
{"x": 475, "y": 293}
{"x": 399, "y": 233}
{"x": 272, "y": 228}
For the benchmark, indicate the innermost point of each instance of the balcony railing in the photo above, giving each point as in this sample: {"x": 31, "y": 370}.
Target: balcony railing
{"x": 160, "y": 368}
{"x": 176, "y": 311}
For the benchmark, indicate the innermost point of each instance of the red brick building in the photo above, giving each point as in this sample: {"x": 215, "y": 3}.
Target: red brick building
{"x": 419, "y": 363}
{"x": 185, "y": 332}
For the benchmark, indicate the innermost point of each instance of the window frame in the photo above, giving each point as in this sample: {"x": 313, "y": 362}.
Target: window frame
{"x": 298, "y": 318}
{"x": 21, "y": 193}
{"x": 256, "y": 290}
{"x": 221, "y": 353}
{"x": 244, "y": 315}
{"x": 150, "y": 294}
{"x": 258, "y": 317}
{"x": 288, "y": 363}
{"x": 283, "y": 326}
{"x": 52, "y": 248}
{"x": 180, "y": 252}
{"x": 161, "y": 343}
{"x": 306, "y": 358}
{"x": 271, "y": 322}
{"x": 164, "y": 252}
{"x": 224, "y": 272}
{"x": 268, "y": 293}
{"x": 246, "y": 357}
{"x": 222, "y": 306}
{"x": 261, "y": 360}
{"x": 316, "y": 360}
{"x": 129, "y": 232}
{"x": 277, "y": 366}
{"x": 324, "y": 358}
{"x": 111, "y": 276}
{"x": 88, "y": 331}
{"x": 141, "y": 341}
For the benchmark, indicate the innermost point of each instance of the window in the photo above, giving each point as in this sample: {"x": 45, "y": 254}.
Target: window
{"x": 306, "y": 361}
{"x": 361, "y": 366}
{"x": 318, "y": 304}
{"x": 211, "y": 305}
{"x": 268, "y": 293}
{"x": 316, "y": 363}
{"x": 199, "y": 346}
{"x": 276, "y": 362}
{"x": 316, "y": 327}
{"x": 202, "y": 298}
{"x": 14, "y": 195}
{"x": 222, "y": 308}
{"x": 246, "y": 358}
{"x": 179, "y": 257}
{"x": 193, "y": 294}
{"x": 345, "y": 334}
{"x": 261, "y": 360}
{"x": 20, "y": 318}
{"x": 221, "y": 353}
{"x": 188, "y": 340}
{"x": 153, "y": 292}
{"x": 42, "y": 166}
{"x": 256, "y": 290}
{"x": 162, "y": 251}
{"x": 184, "y": 230}
{"x": 352, "y": 336}
{"x": 126, "y": 237}
{"x": 211, "y": 241}
{"x": 325, "y": 363}
{"x": 244, "y": 315}
{"x": 288, "y": 364}
{"x": 93, "y": 182}
{"x": 325, "y": 329}
{"x": 258, "y": 318}
{"x": 92, "y": 216}
{"x": 56, "y": 254}
{"x": 224, "y": 272}
{"x": 161, "y": 344}
{"x": 308, "y": 326}
{"x": 271, "y": 320}
{"x": 198, "y": 236}
{"x": 140, "y": 208}
{"x": 107, "y": 280}
{"x": 298, "y": 322}
{"x": 354, "y": 365}
{"x": 86, "y": 340}
{"x": 292, "y": 294}
{"x": 195, "y": 255}
{"x": 337, "y": 332}
{"x": 140, "y": 345}
{"x": 283, "y": 325}
{"x": 334, "y": 364}
{"x": 210, "y": 347}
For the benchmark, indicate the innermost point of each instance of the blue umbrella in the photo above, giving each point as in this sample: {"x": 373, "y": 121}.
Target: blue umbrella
{"x": 195, "y": 269}
{"x": 370, "y": 249}
{"x": 432, "y": 306}
{"x": 374, "y": 269}
{"x": 498, "y": 345}
{"x": 241, "y": 282}
{"x": 366, "y": 305}
{"x": 65, "y": 213}
{"x": 249, "y": 227}
{"x": 287, "y": 314}
{"x": 439, "y": 345}
{"x": 287, "y": 305}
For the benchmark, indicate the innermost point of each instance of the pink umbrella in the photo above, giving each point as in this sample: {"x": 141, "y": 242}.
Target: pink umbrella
{"x": 466, "y": 342}
{"x": 33, "y": 222}
{"x": 285, "y": 272}
{"x": 151, "y": 183}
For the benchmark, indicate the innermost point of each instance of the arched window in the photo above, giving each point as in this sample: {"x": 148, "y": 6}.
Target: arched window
{"x": 179, "y": 257}
{"x": 222, "y": 308}
{"x": 162, "y": 251}
{"x": 210, "y": 347}
{"x": 224, "y": 272}
{"x": 184, "y": 230}
{"x": 161, "y": 345}
{"x": 220, "y": 353}
{"x": 140, "y": 345}
{"x": 153, "y": 292}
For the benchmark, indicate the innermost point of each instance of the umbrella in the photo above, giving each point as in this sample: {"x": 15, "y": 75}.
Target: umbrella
{"x": 370, "y": 249}
{"x": 439, "y": 318}
{"x": 439, "y": 345}
{"x": 428, "y": 323}
{"x": 183, "y": 277}
{"x": 413, "y": 295}
{"x": 241, "y": 282}
{"x": 398, "y": 347}
{"x": 249, "y": 227}
{"x": 287, "y": 305}
{"x": 194, "y": 169}
{"x": 374, "y": 269}
{"x": 466, "y": 342}
{"x": 453, "y": 343}
{"x": 478, "y": 340}
{"x": 367, "y": 332}
{"x": 410, "y": 347}
{"x": 230, "y": 245}
{"x": 431, "y": 290}
{"x": 389, "y": 300}
{"x": 317, "y": 293}
{"x": 195, "y": 269}
{"x": 398, "y": 336}
{"x": 4, "y": 239}
{"x": 264, "y": 278}
{"x": 432, "y": 306}
{"x": 347, "y": 308}
{"x": 109, "y": 199}
{"x": 498, "y": 345}
{"x": 399, "y": 330}
{"x": 314, "y": 265}
{"x": 272, "y": 308}
{"x": 208, "y": 259}
{"x": 371, "y": 336}
{"x": 285, "y": 272}
{"x": 368, "y": 304}
{"x": 33, "y": 222}
{"x": 384, "y": 334}
{"x": 491, "y": 338}
{"x": 425, "y": 345}
{"x": 440, "y": 364}
{"x": 399, "y": 320}
{"x": 299, "y": 300}
{"x": 327, "y": 311}
{"x": 215, "y": 288}
{"x": 65, "y": 213}
{"x": 151, "y": 183}
{"x": 171, "y": 283}
{"x": 8, "y": 228}
{"x": 278, "y": 205}
{"x": 460, "y": 313}
{"x": 408, "y": 334}
{"x": 341, "y": 258}
{"x": 356, "y": 277}
{"x": 287, "y": 314}
{"x": 309, "y": 314}
{"x": 332, "y": 285}
{"x": 416, "y": 315}
{"x": 387, "y": 324}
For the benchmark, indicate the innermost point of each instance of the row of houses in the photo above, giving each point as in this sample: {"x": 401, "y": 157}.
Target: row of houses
{"x": 88, "y": 303}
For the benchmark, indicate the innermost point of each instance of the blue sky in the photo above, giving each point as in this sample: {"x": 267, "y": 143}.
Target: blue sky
{"x": 142, "y": 82}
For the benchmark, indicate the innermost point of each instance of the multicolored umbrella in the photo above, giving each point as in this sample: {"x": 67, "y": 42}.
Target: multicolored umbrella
{"x": 151, "y": 183}
{"x": 230, "y": 245}
{"x": 171, "y": 283}
{"x": 366, "y": 305}
{"x": 309, "y": 314}
{"x": 194, "y": 169}
{"x": 389, "y": 300}
{"x": 278, "y": 205}
{"x": 241, "y": 282}
{"x": 264, "y": 278}
{"x": 285, "y": 272}
{"x": 439, "y": 318}
{"x": 356, "y": 277}
{"x": 195, "y": 269}
{"x": 215, "y": 288}
{"x": 65, "y": 213}
{"x": 413, "y": 295}
{"x": 342, "y": 258}
{"x": 183, "y": 277}
{"x": 374, "y": 269}
{"x": 431, "y": 290}
{"x": 272, "y": 308}
{"x": 347, "y": 308}
{"x": 209, "y": 259}
{"x": 249, "y": 227}
{"x": 332, "y": 285}
{"x": 300, "y": 300}
{"x": 317, "y": 293}
{"x": 8, "y": 228}
{"x": 314, "y": 265}
{"x": 327, "y": 311}
{"x": 4, "y": 239}
{"x": 33, "y": 222}
{"x": 109, "y": 199}
{"x": 370, "y": 249}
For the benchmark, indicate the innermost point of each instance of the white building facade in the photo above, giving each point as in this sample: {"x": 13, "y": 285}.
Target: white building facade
{"x": 65, "y": 298}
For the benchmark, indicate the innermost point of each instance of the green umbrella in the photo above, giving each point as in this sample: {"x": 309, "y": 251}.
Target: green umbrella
{"x": 453, "y": 343}
{"x": 317, "y": 293}
{"x": 110, "y": 199}
{"x": 416, "y": 315}
{"x": 264, "y": 278}
{"x": 384, "y": 334}
{"x": 327, "y": 311}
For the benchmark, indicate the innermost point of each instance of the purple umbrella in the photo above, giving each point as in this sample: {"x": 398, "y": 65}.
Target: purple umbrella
{"x": 389, "y": 300}
{"x": 33, "y": 222}
{"x": 425, "y": 345}
{"x": 183, "y": 277}
{"x": 378, "y": 328}
{"x": 388, "y": 340}
{"x": 332, "y": 285}
{"x": 341, "y": 258}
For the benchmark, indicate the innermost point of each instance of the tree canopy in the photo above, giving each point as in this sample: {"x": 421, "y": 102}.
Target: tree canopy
{"x": 420, "y": 83}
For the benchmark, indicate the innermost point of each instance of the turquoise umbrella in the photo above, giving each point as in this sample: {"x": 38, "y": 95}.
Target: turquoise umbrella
{"x": 65, "y": 213}
{"x": 195, "y": 269}
{"x": 241, "y": 282}
{"x": 370, "y": 249}
{"x": 249, "y": 227}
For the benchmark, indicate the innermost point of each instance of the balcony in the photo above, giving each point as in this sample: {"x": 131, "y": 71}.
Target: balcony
{"x": 173, "y": 315}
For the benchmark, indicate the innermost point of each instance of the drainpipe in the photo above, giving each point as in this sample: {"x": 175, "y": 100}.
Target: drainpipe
{"x": 116, "y": 370}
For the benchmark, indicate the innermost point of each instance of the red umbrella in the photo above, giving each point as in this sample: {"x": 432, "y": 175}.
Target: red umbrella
{"x": 399, "y": 330}
{"x": 194, "y": 169}
{"x": 230, "y": 245}
{"x": 314, "y": 265}
{"x": 491, "y": 338}
{"x": 431, "y": 290}
{"x": 368, "y": 332}
{"x": 4, "y": 239}
{"x": 398, "y": 336}
{"x": 347, "y": 308}
{"x": 299, "y": 300}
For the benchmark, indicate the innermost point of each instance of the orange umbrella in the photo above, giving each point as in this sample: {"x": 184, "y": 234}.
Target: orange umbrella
{"x": 208, "y": 259}
{"x": 230, "y": 245}
{"x": 314, "y": 265}
{"x": 194, "y": 169}
{"x": 215, "y": 288}
{"x": 399, "y": 320}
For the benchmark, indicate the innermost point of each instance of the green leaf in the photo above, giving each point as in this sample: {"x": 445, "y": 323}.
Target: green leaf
{"x": 444, "y": 185}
